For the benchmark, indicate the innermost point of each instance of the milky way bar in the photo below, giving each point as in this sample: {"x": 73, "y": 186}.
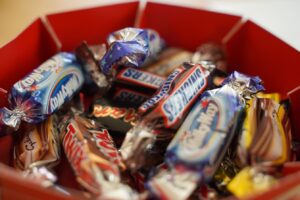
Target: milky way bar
{"x": 199, "y": 145}
{"x": 43, "y": 91}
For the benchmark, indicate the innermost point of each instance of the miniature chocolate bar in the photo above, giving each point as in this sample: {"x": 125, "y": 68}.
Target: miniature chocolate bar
{"x": 43, "y": 91}
{"x": 168, "y": 60}
{"x": 131, "y": 47}
{"x": 161, "y": 115}
{"x": 199, "y": 146}
{"x": 141, "y": 81}
{"x": 213, "y": 53}
{"x": 94, "y": 158}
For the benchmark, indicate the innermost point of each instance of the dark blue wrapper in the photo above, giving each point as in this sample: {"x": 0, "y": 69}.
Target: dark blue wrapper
{"x": 131, "y": 47}
{"x": 43, "y": 91}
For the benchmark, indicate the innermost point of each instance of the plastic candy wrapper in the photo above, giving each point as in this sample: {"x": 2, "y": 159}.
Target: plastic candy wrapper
{"x": 128, "y": 97}
{"x": 90, "y": 56}
{"x": 264, "y": 140}
{"x": 37, "y": 150}
{"x": 141, "y": 81}
{"x": 94, "y": 158}
{"x": 162, "y": 114}
{"x": 115, "y": 118}
{"x": 131, "y": 47}
{"x": 237, "y": 158}
{"x": 226, "y": 171}
{"x": 249, "y": 181}
{"x": 38, "y": 146}
{"x": 118, "y": 119}
{"x": 168, "y": 60}
{"x": 43, "y": 91}
{"x": 213, "y": 53}
{"x": 200, "y": 144}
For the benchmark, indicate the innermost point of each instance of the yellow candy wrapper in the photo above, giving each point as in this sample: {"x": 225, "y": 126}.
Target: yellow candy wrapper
{"x": 263, "y": 139}
{"x": 250, "y": 181}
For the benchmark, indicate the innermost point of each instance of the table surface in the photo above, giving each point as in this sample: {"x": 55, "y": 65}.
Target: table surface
{"x": 281, "y": 17}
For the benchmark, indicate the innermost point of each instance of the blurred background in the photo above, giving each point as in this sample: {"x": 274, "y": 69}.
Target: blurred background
{"x": 281, "y": 17}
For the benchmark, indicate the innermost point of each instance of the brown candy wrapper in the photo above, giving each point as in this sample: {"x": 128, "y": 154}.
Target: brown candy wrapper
{"x": 92, "y": 155}
{"x": 90, "y": 57}
{"x": 213, "y": 53}
{"x": 263, "y": 140}
{"x": 168, "y": 61}
{"x": 38, "y": 146}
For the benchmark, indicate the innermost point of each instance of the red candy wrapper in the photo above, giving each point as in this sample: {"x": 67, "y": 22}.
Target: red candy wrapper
{"x": 161, "y": 115}
{"x": 94, "y": 159}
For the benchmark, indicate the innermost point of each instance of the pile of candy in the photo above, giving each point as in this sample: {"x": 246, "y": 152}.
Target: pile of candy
{"x": 163, "y": 123}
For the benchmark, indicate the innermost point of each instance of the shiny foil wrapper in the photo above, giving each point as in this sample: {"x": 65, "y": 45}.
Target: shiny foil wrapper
{"x": 162, "y": 114}
{"x": 117, "y": 119}
{"x": 131, "y": 47}
{"x": 213, "y": 53}
{"x": 38, "y": 146}
{"x": 201, "y": 143}
{"x": 43, "y": 91}
{"x": 92, "y": 155}
{"x": 264, "y": 140}
{"x": 168, "y": 60}
{"x": 90, "y": 57}
{"x": 249, "y": 181}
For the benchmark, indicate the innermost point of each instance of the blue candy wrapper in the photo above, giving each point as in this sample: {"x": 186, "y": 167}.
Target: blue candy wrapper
{"x": 43, "y": 91}
{"x": 202, "y": 137}
{"x": 200, "y": 143}
{"x": 131, "y": 47}
{"x": 210, "y": 124}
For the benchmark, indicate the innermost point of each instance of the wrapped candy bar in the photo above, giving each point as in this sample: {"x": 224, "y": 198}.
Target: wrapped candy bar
{"x": 256, "y": 144}
{"x": 263, "y": 140}
{"x": 251, "y": 180}
{"x": 200, "y": 144}
{"x": 37, "y": 150}
{"x": 128, "y": 97}
{"x": 117, "y": 118}
{"x": 94, "y": 158}
{"x": 141, "y": 81}
{"x": 131, "y": 47}
{"x": 169, "y": 59}
{"x": 43, "y": 91}
{"x": 90, "y": 57}
{"x": 38, "y": 146}
{"x": 264, "y": 145}
{"x": 161, "y": 115}
{"x": 213, "y": 53}
{"x": 114, "y": 117}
